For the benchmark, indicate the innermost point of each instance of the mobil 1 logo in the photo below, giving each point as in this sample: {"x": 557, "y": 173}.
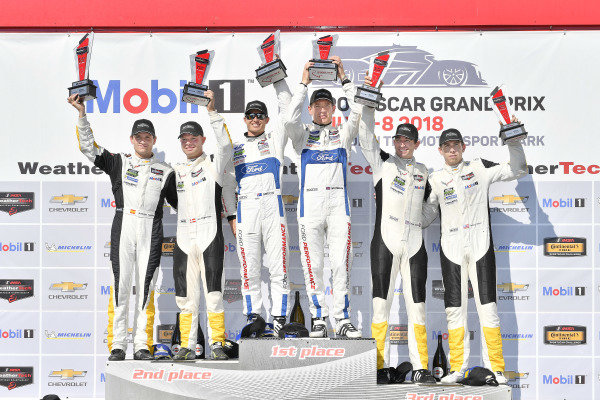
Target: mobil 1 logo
{"x": 230, "y": 95}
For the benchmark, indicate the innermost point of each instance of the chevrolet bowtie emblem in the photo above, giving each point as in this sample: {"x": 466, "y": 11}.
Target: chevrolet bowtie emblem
{"x": 68, "y": 286}
{"x": 68, "y": 199}
{"x": 511, "y": 375}
{"x": 69, "y": 374}
{"x": 509, "y": 199}
{"x": 512, "y": 287}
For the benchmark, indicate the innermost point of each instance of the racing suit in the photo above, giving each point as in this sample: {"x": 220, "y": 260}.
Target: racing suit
{"x": 324, "y": 210}
{"x": 467, "y": 250}
{"x": 258, "y": 165}
{"x": 139, "y": 187}
{"x": 401, "y": 187}
{"x": 200, "y": 246}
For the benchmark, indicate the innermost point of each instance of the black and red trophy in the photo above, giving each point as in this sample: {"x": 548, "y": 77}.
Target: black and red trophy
{"x": 84, "y": 87}
{"x": 370, "y": 95}
{"x": 323, "y": 69}
{"x": 272, "y": 69}
{"x": 193, "y": 91}
{"x": 509, "y": 130}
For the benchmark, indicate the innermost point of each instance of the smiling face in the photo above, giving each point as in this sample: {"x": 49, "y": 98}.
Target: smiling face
{"x": 142, "y": 144}
{"x": 256, "y": 122}
{"x": 405, "y": 147}
{"x": 452, "y": 152}
{"x": 322, "y": 111}
{"x": 192, "y": 145}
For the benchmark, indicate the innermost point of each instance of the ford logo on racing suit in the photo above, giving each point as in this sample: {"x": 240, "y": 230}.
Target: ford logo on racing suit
{"x": 254, "y": 169}
{"x": 325, "y": 157}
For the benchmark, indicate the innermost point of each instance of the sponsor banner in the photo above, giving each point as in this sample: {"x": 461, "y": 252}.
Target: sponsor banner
{"x": 67, "y": 246}
{"x": 61, "y": 333}
{"x": 68, "y": 290}
{"x": 566, "y": 375}
{"x": 565, "y": 334}
{"x": 565, "y": 246}
{"x": 19, "y": 330}
{"x": 522, "y": 377}
{"x": 71, "y": 375}
{"x": 565, "y": 202}
{"x": 14, "y": 377}
{"x": 19, "y": 202}
{"x": 565, "y": 291}
{"x": 68, "y": 202}
{"x": 20, "y": 246}
{"x": 516, "y": 291}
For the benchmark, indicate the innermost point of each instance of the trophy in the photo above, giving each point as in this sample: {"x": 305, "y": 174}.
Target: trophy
{"x": 323, "y": 68}
{"x": 509, "y": 130}
{"x": 272, "y": 69}
{"x": 84, "y": 87}
{"x": 193, "y": 91}
{"x": 370, "y": 95}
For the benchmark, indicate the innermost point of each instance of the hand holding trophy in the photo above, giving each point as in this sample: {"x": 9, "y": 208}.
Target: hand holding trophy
{"x": 272, "y": 69}
{"x": 370, "y": 95}
{"x": 194, "y": 91}
{"x": 509, "y": 129}
{"x": 84, "y": 87}
{"x": 323, "y": 68}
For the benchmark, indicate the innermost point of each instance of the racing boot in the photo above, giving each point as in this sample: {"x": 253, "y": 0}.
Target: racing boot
{"x": 501, "y": 378}
{"x": 453, "y": 377}
{"x": 117, "y": 355}
{"x": 217, "y": 352}
{"x": 278, "y": 323}
{"x": 345, "y": 329}
{"x": 422, "y": 376}
{"x": 319, "y": 328}
{"x": 383, "y": 376}
{"x": 184, "y": 354}
{"x": 143, "y": 354}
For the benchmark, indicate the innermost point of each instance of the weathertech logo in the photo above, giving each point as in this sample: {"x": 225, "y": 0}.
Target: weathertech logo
{"x": 509, "y": 199}
{"x": 565, "y": 335}
{"x": 16, "y": 202}
{"x": 16, "y": 289}
{"x": 564, "y": 246}
{"x": 14, "y": 377}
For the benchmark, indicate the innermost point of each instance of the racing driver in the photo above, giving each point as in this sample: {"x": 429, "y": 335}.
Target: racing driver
{"x": 139, "y": 184}
{"x": 324, "y": 211}
{"x": 460, "y": 190}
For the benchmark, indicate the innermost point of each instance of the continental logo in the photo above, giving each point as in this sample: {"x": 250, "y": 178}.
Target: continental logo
{"x": 289, "y": 199}
{"x": 565, "y": 335}
{"x": 511, "y": 287}
{"x": 509, "y": 199}
{"x": 68, "y": 286}
{"x": 164, "y": 333}
{"x": 168, "y": 246}
{"x": 399, "y": 334}
{"x": 564, "y": 246}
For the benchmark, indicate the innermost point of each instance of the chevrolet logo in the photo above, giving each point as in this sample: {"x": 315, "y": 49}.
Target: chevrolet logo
{"x": 68, "y": 199}
{"x": 289, "y": 199}
{"x": 68, "y": 286}
{"x": 509, "y": 199}
{"x": 512, "y": 375}
{"x": 512, "y": 287}
{"x": 68, "y": 374}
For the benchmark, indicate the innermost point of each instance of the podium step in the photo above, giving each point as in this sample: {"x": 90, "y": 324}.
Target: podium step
{"x": 279, "y": 369}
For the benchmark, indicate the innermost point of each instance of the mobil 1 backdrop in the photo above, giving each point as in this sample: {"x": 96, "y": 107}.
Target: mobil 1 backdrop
{"x": 56, "y": 211}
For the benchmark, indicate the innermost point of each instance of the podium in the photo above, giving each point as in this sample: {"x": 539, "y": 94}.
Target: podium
{"x": 279, "y": 369}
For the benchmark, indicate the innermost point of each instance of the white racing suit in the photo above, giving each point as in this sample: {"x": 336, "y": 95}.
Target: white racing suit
{"x": 324, "y": 210}
{"x": 198, "y": 256}
{"x": 258, "y": 165}
{"x": 139, "y": 187}
{"x": 467, "y": 250}
{"x": 401, "y": 187}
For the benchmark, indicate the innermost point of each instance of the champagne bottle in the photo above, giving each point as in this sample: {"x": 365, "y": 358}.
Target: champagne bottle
{"x": 440, "y": 363}
{"x": 297, "y": 315}
{"x": 200, "y": 344}
{"x": 176, "y": 338}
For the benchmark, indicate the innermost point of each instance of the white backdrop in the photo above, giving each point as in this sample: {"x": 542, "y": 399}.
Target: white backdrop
{"x": 141, "y": 75}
